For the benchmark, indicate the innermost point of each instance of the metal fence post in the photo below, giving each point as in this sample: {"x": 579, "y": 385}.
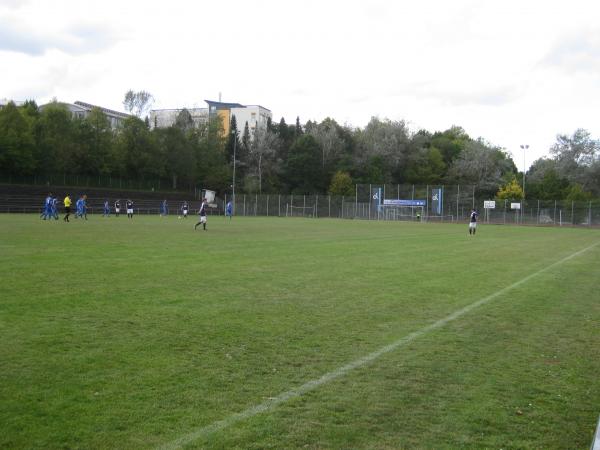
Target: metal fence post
{"x": 538, "y": 213}
{"x": 244, "y": 205}
{"x": 457, "y": 201}
{"x": 342, "y": 206}
{"x": 317, "y": 205}
{"x": 369, "y": 202}
{"x": 279, "y": 208}
{"x": 572, "y": 212}
{"x": 329, "y": 206}
{"x": 355, "y": 201}
{"x": 554, "y": 219}
{"x": 267, "y": 205}
{"x": 427, "y": 201}
{"x": 590, "y": 214}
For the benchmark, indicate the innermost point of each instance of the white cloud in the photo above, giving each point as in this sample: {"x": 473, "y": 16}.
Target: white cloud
{"x": 512, "y": 72}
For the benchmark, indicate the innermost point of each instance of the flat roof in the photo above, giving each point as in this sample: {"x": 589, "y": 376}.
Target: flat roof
{"x": 223, "y": 105}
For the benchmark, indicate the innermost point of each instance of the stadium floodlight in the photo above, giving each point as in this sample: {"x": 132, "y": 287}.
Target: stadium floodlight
{"x": 524, "y": 147}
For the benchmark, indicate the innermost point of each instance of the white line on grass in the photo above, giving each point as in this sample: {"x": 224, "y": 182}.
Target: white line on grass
{"x": 313, "y": 384}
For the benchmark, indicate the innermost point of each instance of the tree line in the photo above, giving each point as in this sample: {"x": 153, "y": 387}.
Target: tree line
{"x": 314, "y": 157}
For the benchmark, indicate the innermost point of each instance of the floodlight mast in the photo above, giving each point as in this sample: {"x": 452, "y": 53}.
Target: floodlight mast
{"x": 234, "y": 156}
{"x": 524, "y": 147}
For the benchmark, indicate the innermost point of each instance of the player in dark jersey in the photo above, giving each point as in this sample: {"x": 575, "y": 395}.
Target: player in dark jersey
{"x": 129, "y": 205}
{"x": 202, "y": 213}
{"x": 184, "y": 209}
{"x": 117, "y": 207}
{"x": 473, "y": 221}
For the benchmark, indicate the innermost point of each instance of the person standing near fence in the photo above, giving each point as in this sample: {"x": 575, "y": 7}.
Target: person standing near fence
{"x": 202, "y": 213}
{"x": 67, "y": 203}
{"x": 117, "y": 207}
{"x": 164, "y": 208}
{"x": 473, "y": 221}
{"x": 106, "y": 212}
{"x": 184, "y": 210}
{"x": 129, "y": 205}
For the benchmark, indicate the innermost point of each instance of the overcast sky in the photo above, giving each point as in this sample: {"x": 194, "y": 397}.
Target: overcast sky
{"x": 512, "y": 72}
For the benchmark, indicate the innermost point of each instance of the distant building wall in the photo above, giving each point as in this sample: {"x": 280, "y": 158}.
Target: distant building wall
{"x": 81, "y": 110}
{"x": 163, "y": 118}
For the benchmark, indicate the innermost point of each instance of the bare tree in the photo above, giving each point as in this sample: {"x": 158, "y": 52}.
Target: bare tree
{"x": 137, "y": 103}
{"x": 263, "y": 148}
{"x": 327, "y": 135}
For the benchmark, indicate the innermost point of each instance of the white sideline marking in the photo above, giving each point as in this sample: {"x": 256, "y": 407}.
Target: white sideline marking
{"x": 596, "y": 443}
{"x": 313, "y": 384}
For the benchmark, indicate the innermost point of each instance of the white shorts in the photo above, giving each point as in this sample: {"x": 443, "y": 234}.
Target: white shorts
{"x": 129, "y": 211}
{"x": 472, "y": 224}
{"x": 117, "y": 210}
{"x": 202, "y": 219}
{"x": 185, "y": 214}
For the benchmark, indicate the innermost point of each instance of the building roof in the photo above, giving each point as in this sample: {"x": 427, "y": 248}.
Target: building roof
{"x": 259, "y": 106}
{"x": 179, "y": 109}
{"x": 107, "y": 111}
{"x": 223, "y": 105}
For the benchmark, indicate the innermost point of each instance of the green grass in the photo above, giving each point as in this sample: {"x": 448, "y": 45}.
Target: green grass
{"x": 131, "y": 334}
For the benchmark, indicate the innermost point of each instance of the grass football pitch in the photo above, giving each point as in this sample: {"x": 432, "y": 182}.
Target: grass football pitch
{"x": 296, "y": 333}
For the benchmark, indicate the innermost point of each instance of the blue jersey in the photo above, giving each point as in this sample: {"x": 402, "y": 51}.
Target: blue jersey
{"x": 229, "y": 209}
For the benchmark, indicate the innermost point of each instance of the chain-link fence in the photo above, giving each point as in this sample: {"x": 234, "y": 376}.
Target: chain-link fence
{"x": 418, "y": 203}
{"x": 451, "y": 204}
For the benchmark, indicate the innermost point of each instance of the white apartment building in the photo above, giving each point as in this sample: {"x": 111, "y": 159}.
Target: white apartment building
{"x": 255, "y": 115}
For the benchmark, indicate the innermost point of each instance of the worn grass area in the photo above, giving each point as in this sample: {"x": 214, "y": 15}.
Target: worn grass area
{"x": 118, "y": 333}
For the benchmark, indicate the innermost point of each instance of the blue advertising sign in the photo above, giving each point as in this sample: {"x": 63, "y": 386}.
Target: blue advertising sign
{"x": 404, "y": 202}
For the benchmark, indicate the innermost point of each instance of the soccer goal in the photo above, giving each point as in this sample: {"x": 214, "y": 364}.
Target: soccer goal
{"x": 300, "y": 211}
{"x": 408, "y": 213}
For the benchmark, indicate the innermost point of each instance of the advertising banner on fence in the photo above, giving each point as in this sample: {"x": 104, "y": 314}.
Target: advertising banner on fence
{"x": 489, "y": 204}
{"x": 390, "y": 202}
{"x": 376, "y": 197}
{"x": 437, "y": 201}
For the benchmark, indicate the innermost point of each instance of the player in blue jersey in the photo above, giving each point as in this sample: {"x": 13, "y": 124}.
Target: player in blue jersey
{"x": 473, "y": 221}
{"x": 47, "y": 209}
{"x": 106, "y": 212}
{"x": 54, "y": 208}
{"x": 202, "y": 213}
{"x": 84, "y": 206}
{"x": 229, "y": 210}
{"x": 80, "y": 207}
{"x": 164, "y": 208}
